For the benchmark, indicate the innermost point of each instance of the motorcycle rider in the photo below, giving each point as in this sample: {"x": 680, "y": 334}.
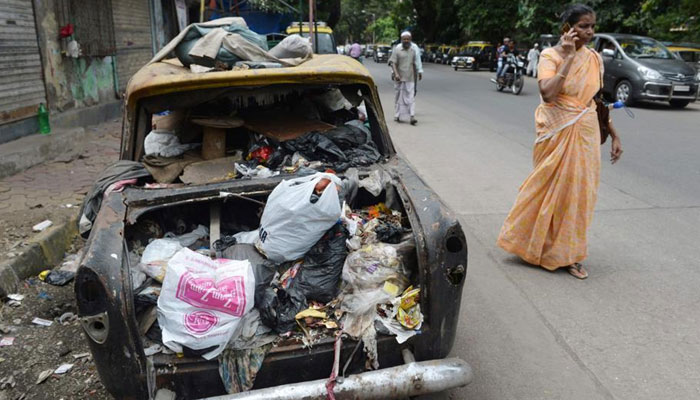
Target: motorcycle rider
{"x": 499, "y": 54}
{"x": 510, "y": 49}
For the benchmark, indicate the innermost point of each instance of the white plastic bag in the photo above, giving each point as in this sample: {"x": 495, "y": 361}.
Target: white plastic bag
{"x": 293, "y": 46}
{"x": 165, "y": 144}
{"x": 154, "y": 259}
{"x": 203, "y": 300}
{"x": 291, "y": 224}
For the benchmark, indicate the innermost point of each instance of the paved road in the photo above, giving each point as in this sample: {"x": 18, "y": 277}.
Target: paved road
{"x": 630, "y": 331}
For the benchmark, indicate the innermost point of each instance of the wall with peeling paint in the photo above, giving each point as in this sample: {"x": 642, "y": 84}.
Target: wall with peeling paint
{"x": 70, "y": 82}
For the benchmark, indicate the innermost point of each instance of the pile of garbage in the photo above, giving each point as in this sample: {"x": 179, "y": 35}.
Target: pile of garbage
{"x": 313, "y": 269}
{"x": 226, "y": 43}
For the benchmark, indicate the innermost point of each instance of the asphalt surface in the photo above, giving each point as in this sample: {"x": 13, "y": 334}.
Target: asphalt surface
{"x": 632, "y": 329}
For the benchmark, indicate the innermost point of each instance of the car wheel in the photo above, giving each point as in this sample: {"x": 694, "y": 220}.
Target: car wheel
{"x": 679, "y": 103}
{"x": 623, "y": 92}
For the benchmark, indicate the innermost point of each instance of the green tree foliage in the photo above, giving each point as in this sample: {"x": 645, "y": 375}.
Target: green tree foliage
{"x": 460, "y": 20}
{"x": 383, "y": 18}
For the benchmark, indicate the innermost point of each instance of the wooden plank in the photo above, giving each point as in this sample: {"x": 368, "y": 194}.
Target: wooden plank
{"x": 283, "y": 127}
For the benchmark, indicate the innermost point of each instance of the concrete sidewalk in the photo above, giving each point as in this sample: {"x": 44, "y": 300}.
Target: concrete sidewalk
{"x": 52, "y": 190}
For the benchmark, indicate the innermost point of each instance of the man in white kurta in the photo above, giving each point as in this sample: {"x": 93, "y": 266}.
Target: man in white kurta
{"x": 408, "y": 69}
{"x": 533, "y": 57}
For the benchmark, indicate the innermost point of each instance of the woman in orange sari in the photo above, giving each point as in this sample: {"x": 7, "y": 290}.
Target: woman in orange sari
{"x": 548, "y": 224}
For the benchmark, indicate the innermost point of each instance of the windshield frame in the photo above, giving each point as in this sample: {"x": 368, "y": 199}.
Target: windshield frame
{"x": 663, "y": 53}
{"x": 326, "y": 42}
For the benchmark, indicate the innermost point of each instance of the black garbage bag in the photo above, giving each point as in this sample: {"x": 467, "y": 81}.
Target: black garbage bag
{"x": 346, "y": 137}
{"x": 389, "y": 233}
{"x": 346, "y": 146}
{"x": 277, "y": 306}
{"x": 320, "y": 272}
{"x": 315, "y": 146}
{"x": 59, "y": 277}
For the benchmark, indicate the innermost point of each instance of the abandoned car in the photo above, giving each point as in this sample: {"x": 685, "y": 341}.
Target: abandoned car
{"x": 258, "y": 230}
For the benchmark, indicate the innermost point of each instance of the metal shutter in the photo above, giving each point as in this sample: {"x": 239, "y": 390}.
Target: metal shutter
{"x": 132, "y": 33}
{"x": 21, "y": 80}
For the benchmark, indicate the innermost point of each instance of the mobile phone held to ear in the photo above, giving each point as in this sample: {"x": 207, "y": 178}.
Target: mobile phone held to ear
{"x": 565, "y": 28}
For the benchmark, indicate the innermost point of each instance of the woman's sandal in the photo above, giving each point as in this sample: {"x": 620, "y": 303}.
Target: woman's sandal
{"x": 577, "y": 271}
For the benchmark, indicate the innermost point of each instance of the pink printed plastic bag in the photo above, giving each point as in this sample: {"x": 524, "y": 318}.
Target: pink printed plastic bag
{"x": 203, "y": 300}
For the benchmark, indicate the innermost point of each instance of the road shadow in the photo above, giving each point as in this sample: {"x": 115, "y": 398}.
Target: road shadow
{"x": 515, "y": 261}
{"x": 659, "y": 105}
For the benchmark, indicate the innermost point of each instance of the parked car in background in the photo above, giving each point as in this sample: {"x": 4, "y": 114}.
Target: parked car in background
{"x": 688, "y": 52}
{"x": 641, "y": 68}
{"x": 369, "y": 51}
{"x": 428, "y": 50}
{"x": 326, "y": 41}
{"x": 476, "y": 55}
{"x": 445, "y": 54}
{"x": 548, "y": 40}
{"x": 382, "y": 53}
{"x": 435, "y": 54}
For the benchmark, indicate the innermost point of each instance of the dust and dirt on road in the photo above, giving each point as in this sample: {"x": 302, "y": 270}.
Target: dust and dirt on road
{"x": 43, "y": 351}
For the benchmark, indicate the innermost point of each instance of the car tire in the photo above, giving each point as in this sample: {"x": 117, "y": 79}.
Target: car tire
{"x": 679, "y": 103}
{"x": 623, "y": 92}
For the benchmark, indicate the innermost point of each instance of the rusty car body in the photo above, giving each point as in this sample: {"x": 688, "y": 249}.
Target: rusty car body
{"x": 103, "y": 284}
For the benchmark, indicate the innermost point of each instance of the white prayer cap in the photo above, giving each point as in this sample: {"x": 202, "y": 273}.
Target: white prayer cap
{"x": 405, "y": 34}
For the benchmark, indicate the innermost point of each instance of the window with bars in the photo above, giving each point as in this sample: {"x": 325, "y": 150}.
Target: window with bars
{"x": 92, "y": 22}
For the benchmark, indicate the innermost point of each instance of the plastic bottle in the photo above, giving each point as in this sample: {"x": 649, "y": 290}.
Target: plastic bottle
{"x": 43, "y": 114}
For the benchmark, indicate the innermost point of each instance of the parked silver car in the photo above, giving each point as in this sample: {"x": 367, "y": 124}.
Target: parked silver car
{"x": 641, "y": 68}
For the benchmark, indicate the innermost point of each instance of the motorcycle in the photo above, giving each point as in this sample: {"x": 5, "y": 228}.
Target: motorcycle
{"x": 513, "y": 77}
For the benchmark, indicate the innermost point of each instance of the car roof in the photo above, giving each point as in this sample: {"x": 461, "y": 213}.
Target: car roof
{"x": 169, "y": 76}
{"x": 623, "y": 36}
{"x": 305, "y": 29}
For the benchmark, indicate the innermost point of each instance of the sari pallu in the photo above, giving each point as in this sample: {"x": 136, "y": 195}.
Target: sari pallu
{"x": 548, "y": 223}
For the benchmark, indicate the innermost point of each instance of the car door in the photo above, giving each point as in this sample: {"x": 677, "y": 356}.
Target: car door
{"x": 613, "y": 66}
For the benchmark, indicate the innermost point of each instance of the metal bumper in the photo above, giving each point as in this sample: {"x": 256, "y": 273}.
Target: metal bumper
{"x": 689, "y": 95}
{"x": 412, "y": 379}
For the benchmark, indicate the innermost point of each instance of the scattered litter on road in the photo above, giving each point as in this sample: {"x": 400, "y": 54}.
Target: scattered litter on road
{"x": 15, "y": 297}
{"x": 44, "y": 375}
{"x": 81, "y": 355}
{"x": 42, "y": 225}
{"x": 7, "y": 341}
{"x": 42, "y": 322}
{"x": 63, "y": 369}
{"x": 6, "y": 328}
{"x": 66, "y": 318}
{"x": 59, "y": 277}
{"x": 44, "y": 296}
{"x": 43, "y": 274}
{"x": 71, "y": 262}
{"x": 7, "y": 382}
{"x": 114, "y": 256}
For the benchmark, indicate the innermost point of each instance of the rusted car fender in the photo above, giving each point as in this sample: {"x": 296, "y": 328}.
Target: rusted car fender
{"x": 442, "y": 257}
{"x": 105, "y": 305}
